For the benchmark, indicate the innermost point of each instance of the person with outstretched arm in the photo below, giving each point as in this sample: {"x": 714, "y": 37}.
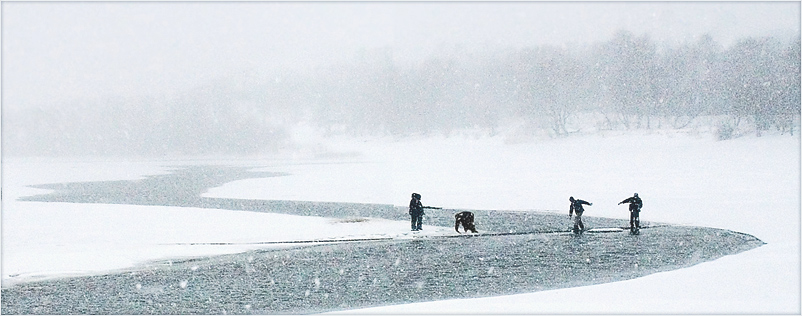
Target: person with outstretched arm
{"x": 416, "y": 211}
{"x": 635, "y": 205}
{"x": 576, "y": 208}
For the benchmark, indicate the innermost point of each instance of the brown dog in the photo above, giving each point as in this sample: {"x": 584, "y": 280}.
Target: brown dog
{"x": 466, "y": 220}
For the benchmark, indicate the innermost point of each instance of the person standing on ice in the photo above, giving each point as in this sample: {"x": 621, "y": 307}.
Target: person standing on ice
{"x": 576, "y": 207}
{"x": 635, "y": 204}
{"x": 416, "y": 212}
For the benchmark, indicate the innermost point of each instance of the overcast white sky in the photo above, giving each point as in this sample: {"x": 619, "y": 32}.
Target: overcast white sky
{"x": 55, "y": 52}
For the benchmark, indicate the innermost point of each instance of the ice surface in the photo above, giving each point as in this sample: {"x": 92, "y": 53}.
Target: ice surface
{"x": 747, "y": 184}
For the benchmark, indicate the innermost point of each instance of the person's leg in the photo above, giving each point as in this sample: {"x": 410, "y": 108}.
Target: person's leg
{"x": 472, "y": 228}
{"x": 631, "y": 220}
{"x": 576, "y": 222}
{"x": 463, "y": 219}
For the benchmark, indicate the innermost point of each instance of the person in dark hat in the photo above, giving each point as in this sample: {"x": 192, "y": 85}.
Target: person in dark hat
{"x": 635, "y": 205}
{"x": 576, "y": 208}
{"x": 416, "y": 212}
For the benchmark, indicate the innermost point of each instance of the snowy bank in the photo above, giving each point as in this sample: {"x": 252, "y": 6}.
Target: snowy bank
{"x": 748, "y": 184}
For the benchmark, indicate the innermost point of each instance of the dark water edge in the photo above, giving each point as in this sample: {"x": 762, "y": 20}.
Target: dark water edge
{"x": 329, "y": 277}
{"x": 322, "y": 278}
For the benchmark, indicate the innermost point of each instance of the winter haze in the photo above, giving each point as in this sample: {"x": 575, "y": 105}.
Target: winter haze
{"x": 118, "y": 116}
{"x": 200, "y": 78}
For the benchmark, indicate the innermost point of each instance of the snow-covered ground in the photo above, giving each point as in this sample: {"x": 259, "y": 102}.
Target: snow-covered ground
{"x": 749, "y": 184}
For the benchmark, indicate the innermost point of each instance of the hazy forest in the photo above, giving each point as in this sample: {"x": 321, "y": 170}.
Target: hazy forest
{"x": 628, "y": 82}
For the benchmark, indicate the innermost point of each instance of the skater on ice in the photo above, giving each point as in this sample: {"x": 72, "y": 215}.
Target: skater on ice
{"x": 635, "y": 204}
{"x": 416, "y": 212}
{"x": 466, "y": 220}
{"x": 576, "y": 207}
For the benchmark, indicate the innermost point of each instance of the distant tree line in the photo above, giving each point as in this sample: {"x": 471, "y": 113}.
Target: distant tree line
{"x": 630, "y": 81}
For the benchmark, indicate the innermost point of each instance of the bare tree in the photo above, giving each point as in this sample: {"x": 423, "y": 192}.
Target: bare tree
{"x": 753, "y": 80}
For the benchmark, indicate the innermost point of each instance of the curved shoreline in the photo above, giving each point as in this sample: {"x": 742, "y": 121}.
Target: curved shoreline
{"x": 319, "y": 278}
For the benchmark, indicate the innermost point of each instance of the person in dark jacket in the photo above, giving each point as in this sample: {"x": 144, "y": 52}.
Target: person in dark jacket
{"x": 635, "y": 204}
{"x": 466, "y": 220}
{"x": 416, "y": 212}
{"x": 576, "y": 208}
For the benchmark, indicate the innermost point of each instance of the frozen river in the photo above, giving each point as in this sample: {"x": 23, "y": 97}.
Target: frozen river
{"x": 315, "y": 278}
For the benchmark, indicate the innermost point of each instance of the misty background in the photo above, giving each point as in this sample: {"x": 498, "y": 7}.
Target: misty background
{"x": 215, "y": 78}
